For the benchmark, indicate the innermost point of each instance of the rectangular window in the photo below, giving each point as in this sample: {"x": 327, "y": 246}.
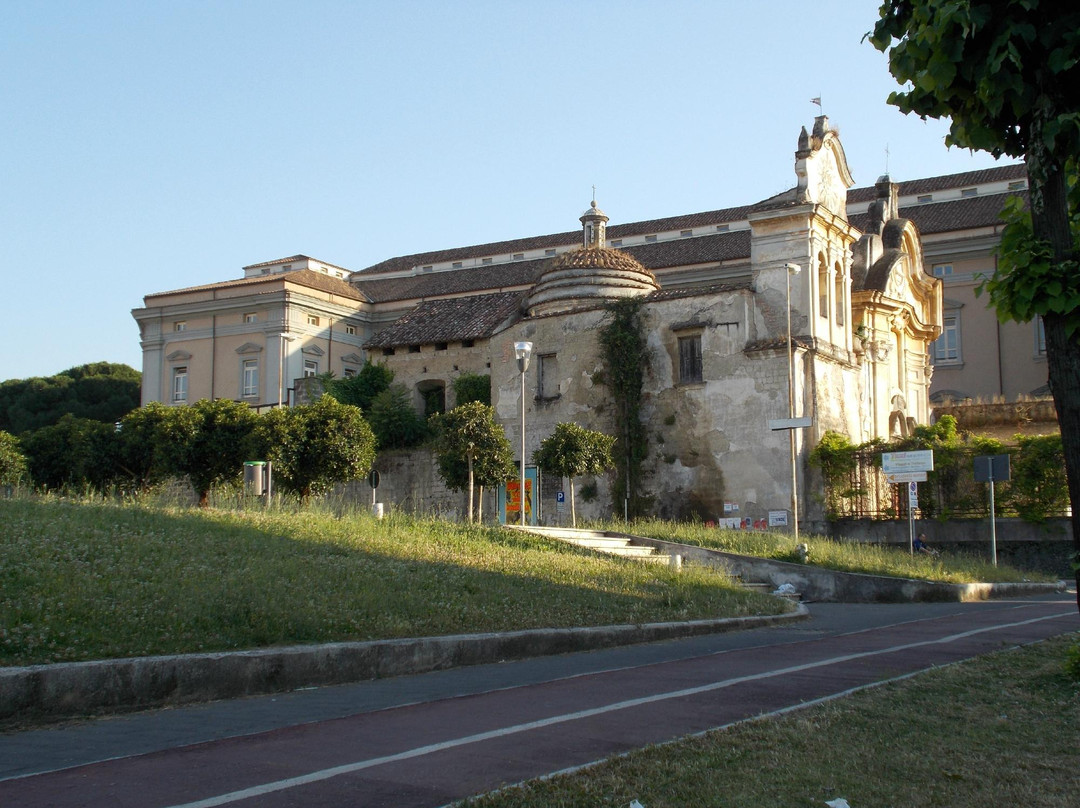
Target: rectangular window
{"x": 251, "y": 378}
{"x": 946, "y": 348}
{"x": 350, "y": 330}
{"x": 967, "y": 193}
{"x": 685, "y": 233}
{"x": 690, "y": 359}
{"x": 519, "y": 256}
{"x": 1040, "y": 337}
{"x": 456, "y": 265}
{"x": 179, "y": 384}
{"x": 722, "y": 228}
{"x": 313, "y": 319}
{"x": 311, "y": 367}
{"x": 547, "y": 376}
{"x": 251, "y": 317}
{"x": 942, "y": 270}
{"x": 650, "y": 239}
{"x": 486, "y": 260}
{"x": 1019, "y": 185}
{"x": 617, "y": 242}
{"x": 349, "y": 372}
{"x": 925, "y": 198}
{"x": 180, "y": 325}
{"x": 549, "y": 253}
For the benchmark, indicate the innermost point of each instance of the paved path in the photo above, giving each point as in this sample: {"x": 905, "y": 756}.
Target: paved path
{"x": 432, "y": 739}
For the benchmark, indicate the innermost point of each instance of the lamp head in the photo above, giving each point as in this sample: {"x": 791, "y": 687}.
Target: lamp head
{"x": 793, "y": 269}
{"x": 523, "y": 350}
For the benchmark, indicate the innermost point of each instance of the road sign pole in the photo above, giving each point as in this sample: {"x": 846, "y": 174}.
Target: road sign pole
{"x": 993, "y": 525}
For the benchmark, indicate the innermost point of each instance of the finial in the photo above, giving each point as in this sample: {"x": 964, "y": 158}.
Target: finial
{"x": 886, "y": 159}
{"x": 594, "y": 196}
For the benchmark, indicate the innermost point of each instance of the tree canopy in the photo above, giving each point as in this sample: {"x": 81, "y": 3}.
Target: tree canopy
{"x": 101, "y": 391}
{"x": 13, "y": 469}
{"x": 472, "y": 448}
{"x": 315, "y": 446}
{"x": 571, "y": 451}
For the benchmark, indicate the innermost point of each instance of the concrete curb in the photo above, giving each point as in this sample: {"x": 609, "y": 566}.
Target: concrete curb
{"x": 71, "y": 689}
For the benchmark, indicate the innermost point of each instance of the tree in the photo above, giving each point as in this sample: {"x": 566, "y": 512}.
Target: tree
{"x": 13, "y": 469}
{"x": 1008, "y": 75}
{"x": 472, "y": 449}
{"x": 360, "y": 390}
{"x": 71, "y": 452}
{"x": 571, "y": 451}
{"x": 101, "y": 391}
{"x": 315, "y": 446}
{"x": 472, "y": 387}
{"x": 206, "y": 442}
{"x": 140, "y": 445}
{"x": 394, "y": 421}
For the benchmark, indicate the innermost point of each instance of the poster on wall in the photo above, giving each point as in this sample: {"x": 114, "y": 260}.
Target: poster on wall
{"x": 510, "y": 499}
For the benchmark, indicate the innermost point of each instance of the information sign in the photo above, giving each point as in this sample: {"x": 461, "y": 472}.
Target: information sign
{"x": 893, "y": 462}
{"x": 906, "y": 477}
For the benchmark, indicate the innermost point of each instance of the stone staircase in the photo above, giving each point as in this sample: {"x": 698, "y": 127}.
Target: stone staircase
{"x": 627, "y": 546}
{"x": 602, "y": 542}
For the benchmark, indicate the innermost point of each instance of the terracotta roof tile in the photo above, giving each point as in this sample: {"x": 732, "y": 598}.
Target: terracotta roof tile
{"x": 448, "y": 320}
{"x": 301, "y": 277}
{"x": 931, "y": 184}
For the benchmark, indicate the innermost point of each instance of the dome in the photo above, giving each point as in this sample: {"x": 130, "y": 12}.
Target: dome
{"x": 587, "y": 276}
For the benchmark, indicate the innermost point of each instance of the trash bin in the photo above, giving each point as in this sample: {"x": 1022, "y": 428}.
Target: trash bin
{"x": 255, "y": 477}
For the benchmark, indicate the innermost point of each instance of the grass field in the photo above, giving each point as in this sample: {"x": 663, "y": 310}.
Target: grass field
{"x": 998, "y": 730}
{"x": 843, "y": 556}
{"x": 93, "y": 581}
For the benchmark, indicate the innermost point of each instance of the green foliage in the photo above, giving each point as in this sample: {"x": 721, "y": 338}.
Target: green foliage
{"x": 1072, "y": 661}
{"x": 1004, "y": 73}
{"x": 1038, "y": 487}
{"x": 394, "y": 421}
{"x": 207, "y": 442}
{"x": 141, "y": 442}
{"x": 571, "y": 451}
{"x": 74, "y": 452}
{"x": 101, "y": 391}
{"x": 360, "y": 390}
{"x": 626, "y": 360}
{"x": 13, "y": 468}
{"x": 1027, "y": 282}
{"x": 470, "y": 431}
{"x": 836, "y": 456}
{"x": 315, "y": 446}
{"x": 472, "y": 387}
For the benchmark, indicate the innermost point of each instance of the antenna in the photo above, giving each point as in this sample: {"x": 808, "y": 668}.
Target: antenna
{"x": 886, "y": 159}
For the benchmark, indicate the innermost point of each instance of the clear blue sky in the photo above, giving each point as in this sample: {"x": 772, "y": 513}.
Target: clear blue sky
{"x": 156, "y": 144}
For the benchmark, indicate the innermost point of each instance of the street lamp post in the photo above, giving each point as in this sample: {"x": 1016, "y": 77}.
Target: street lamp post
{"x": 789, "y": 270}
{"x": 283, "y": 338}
{"x": 522, "y": 350}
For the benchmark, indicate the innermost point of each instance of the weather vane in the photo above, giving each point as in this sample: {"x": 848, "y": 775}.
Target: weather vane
{"x": 821, "y": 110}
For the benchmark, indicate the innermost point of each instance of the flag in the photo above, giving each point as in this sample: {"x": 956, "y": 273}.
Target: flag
{"x": 816, "y": 101}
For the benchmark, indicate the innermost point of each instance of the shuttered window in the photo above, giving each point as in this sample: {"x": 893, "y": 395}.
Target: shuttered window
{"x": 690, "y": 359}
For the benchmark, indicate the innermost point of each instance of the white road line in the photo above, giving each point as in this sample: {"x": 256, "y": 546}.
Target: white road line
{"x": 420, "y": 751}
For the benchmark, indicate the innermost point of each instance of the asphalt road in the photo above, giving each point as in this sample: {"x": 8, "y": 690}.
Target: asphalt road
{"x": 432, "y": 739}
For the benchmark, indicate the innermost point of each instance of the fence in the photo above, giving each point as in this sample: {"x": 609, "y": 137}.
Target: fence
{"x": 856, "y": 488}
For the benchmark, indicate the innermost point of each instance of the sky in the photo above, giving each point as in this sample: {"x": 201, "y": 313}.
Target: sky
{"x": 155, "y": 145}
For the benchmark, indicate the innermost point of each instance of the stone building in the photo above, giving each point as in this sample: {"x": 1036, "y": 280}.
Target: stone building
{"x": 716, "y": 291}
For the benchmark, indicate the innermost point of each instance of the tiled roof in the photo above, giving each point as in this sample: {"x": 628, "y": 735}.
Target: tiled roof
{"x": 522, "y": 274}
{"x": 516, "y": 274}
{"x": 942, "y": 217}
{"x": 931, "y": 184}
{"x": 301, "y": 277}
{"x": 448, "y": 320}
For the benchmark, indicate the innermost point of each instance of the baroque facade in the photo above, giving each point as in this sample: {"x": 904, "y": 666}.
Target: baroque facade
{"x": 716, "y": 289}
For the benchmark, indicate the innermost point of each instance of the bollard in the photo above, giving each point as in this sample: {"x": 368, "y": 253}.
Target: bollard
{"x": 377, "y": 509}
{"x": 676, "y": 562}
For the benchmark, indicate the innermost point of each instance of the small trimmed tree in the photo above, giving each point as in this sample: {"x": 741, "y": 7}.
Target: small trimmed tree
{"x": 72, "y": 452}
{"x": 360, "y": 390}
{"x": 472, "y": 448}
{"x": 394, "y": 421}
{"x": 315, "y": 446}
{"x": 571, "y": 451}
{"x": 472, "y": 387}
{"x": 207, "y": 443}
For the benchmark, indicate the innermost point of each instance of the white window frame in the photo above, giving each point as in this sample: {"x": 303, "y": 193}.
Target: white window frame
{"x": 251, "y": 317}
{"x": 179, "y": 325}
{"x": 313, "y": 319}
{"x": 942, "y": 270}
{"x": 180, "y": 384}
{"x": 249, "y": 378}
{"x": 311, "y": 367}
{"x": 941, "y": 351}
